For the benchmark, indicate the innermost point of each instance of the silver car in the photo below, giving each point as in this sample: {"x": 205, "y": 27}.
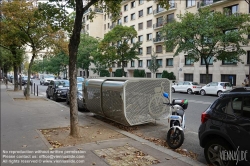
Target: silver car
{"x": 215, "y": 88}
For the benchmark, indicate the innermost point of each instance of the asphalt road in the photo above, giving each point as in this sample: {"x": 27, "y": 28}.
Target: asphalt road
{"x": 197, "y": 105}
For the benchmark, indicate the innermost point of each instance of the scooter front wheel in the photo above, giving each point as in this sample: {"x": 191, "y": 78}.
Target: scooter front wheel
{"x": 175, "y": 138}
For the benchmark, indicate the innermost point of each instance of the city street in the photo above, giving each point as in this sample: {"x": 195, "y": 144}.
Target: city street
{"x": 197, "y": 104}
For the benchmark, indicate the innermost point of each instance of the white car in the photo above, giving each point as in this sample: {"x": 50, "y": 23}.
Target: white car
{"x": 186, "y": 86}
{"x": 215, "y": 88}
{"x": 45, "y": 79}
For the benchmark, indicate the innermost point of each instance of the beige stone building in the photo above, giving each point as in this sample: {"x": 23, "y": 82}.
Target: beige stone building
{"x": 147, "y": 17}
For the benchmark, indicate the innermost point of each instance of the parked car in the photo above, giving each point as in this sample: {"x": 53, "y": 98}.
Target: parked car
{"x": 80, "y": 79}
{"x": 57, "y": 89}
{"x": 215, "y": 88}
{"x": 186, "y": 86}
{"x": 45, "y": 79}
{"x": 25, "y": 80}
{"x": 225, "y": 128}
{"x": 80, "y": 98}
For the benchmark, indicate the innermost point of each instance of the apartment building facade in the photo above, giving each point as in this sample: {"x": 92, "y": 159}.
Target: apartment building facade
{"x": 147, "y": 17}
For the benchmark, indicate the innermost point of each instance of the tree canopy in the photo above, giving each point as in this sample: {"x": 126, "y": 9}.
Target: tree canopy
{"x": 115, "y": 46}
{"x": 208, "y": 35}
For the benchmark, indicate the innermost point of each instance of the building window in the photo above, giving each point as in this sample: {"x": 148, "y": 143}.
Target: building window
{"x": 133, "y": 40}
{"x": 228, "y": 78}
{"x": 140, "y": 51}
{"x": 158, "y": 75}
{"x": 104, "y": 26}
{"x": 113, "y": 64}
{"x": 88, "y": 27}
{"x": 140, "y": 26}
{"x": 159, "y": 22}
{"x": 159, "y": 61}
{"x": 229, "y": 62}
{"x": 231, "y": 9}
{"x": 188, "y": 61}
{"x": 125, "y": 7}
{"x": 159, "y": 49}
{"x": 149, "y": 36}
{"x": 132, "y": 63}
{"x": 209, "y": 59}
{"x": 119, "y": 64}
{"x": 108, "y": 25}
{"x": 169, "y": 62}
{"x": 125, "y": 64}
{"x": 133, "y": 4}
{"x": 170, "y": 18}
{"x": 133, "y": 16}
{"x": 203, "y": 78}
{"x": 148, "y": 62}
{"x": 141, "y": 2}
{"x": 149, "y": 10}
{"x": 140, "y": 38}
{"x": 149, "y": 50}
{"x": 248, "y": 57}
{"x": 126, "y": 19}
{"x": 190, "y": 3}
{"x": 149, "y": 23}
{"x": 188, "y": 77}
{"x": 140, "y": 63}
{"x": 104, "y": 16}
{"x": 148, "y": 75}
{"x": 140, "y": 13}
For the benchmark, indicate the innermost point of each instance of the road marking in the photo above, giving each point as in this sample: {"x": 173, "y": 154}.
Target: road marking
{"x": 201, "y": 102}
{"x": 192, "y": 132}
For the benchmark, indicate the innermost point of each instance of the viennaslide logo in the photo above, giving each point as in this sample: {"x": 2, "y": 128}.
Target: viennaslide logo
{"x": 237, "y": 155}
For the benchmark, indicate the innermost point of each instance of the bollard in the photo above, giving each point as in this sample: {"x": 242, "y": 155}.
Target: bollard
{"x": 34, "y": 89}
{"x": 37, "y": 90}
{"x": 31, "y": 90}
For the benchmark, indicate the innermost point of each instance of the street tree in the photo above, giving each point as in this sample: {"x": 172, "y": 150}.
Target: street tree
{"x": 110, "y": 7}
{"x": 153, "y": 66}
{"x": 115, "y": 45}
{"x": 34, "y": 31}
{"x": 209, "y": 36}
{"x": 87, "y": 48}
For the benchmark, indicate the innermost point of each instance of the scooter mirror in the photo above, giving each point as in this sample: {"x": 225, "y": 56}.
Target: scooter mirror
{"x": 165, "y": 94}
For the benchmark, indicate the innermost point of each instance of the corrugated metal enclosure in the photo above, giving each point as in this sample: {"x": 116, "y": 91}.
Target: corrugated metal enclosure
{"x": 129, "y": 101}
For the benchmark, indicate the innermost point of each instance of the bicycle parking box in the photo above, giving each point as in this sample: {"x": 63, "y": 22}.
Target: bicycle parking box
{"x": 128, "y": 101}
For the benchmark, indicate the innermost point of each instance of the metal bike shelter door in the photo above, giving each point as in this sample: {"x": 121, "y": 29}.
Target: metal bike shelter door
{"x": 128, "y": 101}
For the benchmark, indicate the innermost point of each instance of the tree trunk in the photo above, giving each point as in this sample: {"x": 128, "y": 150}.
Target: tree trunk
{"x": 207, "y": 72}
{"x": 20, "y": 78}
{"x": 15, "y": 81}
{"x": 29, "y": 72}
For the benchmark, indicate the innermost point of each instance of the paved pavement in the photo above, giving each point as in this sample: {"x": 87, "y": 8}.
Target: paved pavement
{"x": 22, "y": 143}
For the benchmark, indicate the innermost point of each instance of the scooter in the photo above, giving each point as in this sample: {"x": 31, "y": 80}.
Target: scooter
{"x": 176, "y": 121}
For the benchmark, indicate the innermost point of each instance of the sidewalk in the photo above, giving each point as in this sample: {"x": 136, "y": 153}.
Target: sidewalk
{"x": 21, "y": 142}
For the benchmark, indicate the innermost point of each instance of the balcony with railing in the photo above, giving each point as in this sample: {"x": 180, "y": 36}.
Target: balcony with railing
{"x": 158, "y": 39}
{"x": 204, "y": 3}
{"x": 172, "y": 7}
{"x": 97, "y": 10}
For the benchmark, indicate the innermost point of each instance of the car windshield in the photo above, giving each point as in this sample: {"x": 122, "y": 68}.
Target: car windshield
{"x": 48, "y": 76}
{"x": 25, "y": 78}
{"x": 79, "y": 86}
{"x": 195, "y": 83}
{"x": 80, "y": 79}
{"x": 64, "y": 83}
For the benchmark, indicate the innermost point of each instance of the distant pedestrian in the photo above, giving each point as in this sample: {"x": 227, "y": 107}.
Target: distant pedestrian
{"x": 246, "y": 82}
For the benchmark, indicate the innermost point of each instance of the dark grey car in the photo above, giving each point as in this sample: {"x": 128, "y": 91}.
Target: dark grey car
{"x": 57, "y": 89}
{"x": 224, "y": 132}
{"x": 80, "y": 98}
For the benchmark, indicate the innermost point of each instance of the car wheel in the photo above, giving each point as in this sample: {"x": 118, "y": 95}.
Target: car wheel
{"x": 219, "y": 93}
{"x": 213, "y": 150}
{"x": 173, "y": 90}
{"x": 47, "y": 95}
{"x": 55, "y": 97}
{"x": 189, "y": 91}
{"x": 203, "y": 93}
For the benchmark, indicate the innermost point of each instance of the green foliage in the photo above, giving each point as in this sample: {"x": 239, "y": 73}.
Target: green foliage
{"x": 139, "y": 73}
{"x": 202, "y": 35}
{"x": 104, "y": 73}
{"x": 115, "y": 46}
{"x": 170, "y": 76}
{"x": 119, "y": 72}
